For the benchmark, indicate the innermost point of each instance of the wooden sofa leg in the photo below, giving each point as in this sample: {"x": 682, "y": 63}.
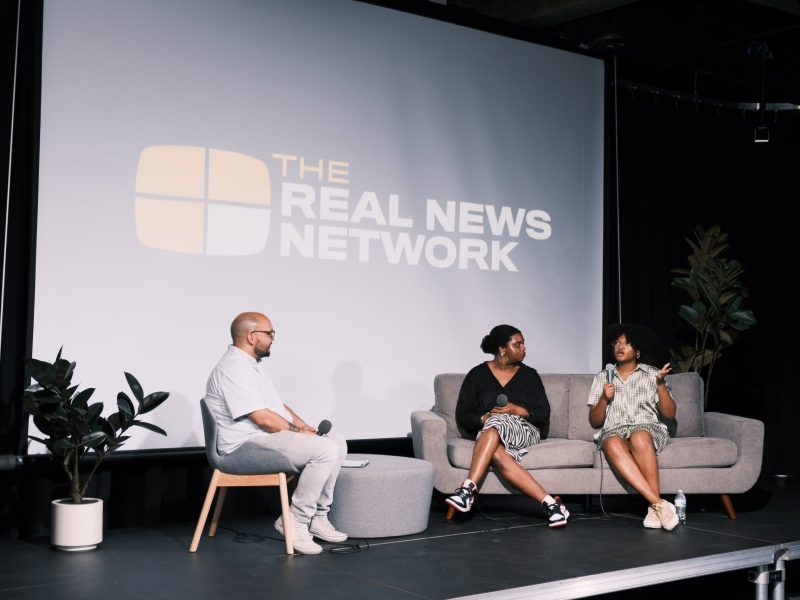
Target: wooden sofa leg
{"x": 726, "y": 502}
{"x": 451, "y": 512}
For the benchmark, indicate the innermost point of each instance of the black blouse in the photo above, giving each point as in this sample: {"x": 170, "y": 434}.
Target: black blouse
{"x": 479, "y": 394}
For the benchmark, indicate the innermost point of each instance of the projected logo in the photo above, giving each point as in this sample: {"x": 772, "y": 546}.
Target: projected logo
{"x": 199, "y": 200}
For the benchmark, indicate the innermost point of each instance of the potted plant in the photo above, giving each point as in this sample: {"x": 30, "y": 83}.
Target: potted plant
{"x": 72, "y": 429}
{"x": 717, "y": 313}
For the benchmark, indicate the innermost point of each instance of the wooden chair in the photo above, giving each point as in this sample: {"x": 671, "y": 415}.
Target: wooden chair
{"x": 275, "y": 468}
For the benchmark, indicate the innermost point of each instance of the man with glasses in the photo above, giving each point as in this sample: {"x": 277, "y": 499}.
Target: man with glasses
{"x": 251, "y": 415}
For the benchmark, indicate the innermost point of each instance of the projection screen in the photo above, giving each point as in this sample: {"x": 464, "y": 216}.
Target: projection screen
{"x": 385, "y": 187}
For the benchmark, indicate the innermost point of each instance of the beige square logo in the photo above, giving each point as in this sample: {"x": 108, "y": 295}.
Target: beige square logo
{"x": 199, "y": 200}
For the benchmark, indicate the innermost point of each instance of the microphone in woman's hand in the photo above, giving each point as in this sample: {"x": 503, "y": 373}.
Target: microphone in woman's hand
{"x": 502, "y": 400}
{"x": 610, "y": 374}
{"x": 324, "y": 427}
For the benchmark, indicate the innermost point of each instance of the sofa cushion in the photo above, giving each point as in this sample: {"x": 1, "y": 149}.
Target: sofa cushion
{"x": 698, "y": 452}
{"x": 579, "y": 428}
{"x": 557, "y": 389}
{"x": 552, "y": 453}
{"x": 693, "y": 452}
{"x": 687, "y": 390}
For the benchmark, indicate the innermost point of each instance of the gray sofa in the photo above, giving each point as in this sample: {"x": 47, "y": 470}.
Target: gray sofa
{"x": 710, "y": 452}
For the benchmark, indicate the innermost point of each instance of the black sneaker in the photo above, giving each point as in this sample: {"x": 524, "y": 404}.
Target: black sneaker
{"x": 464, "y": 497}
{"x": 556, "y": 513}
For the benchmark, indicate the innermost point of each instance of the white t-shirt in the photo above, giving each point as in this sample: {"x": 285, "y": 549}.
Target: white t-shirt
{"x": 237, "y": 386}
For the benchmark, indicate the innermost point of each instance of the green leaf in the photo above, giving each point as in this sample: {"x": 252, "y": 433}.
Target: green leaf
{"x": 113, "y": 421}
{"x": 82, "y": 398}
{"x": 63, "y": 444}
{"x": 41, "y": 371}
{"x": 108, "y": 427}
{"x": 689, "y": 314}
{"x": 93, "y": 439}
{"x": 94, "y": 411}
{"x": 150, "y": 426}
{"x": 125, "y": 406}
{"x": 135, "y": 387}
{"x": 152, "y": 401}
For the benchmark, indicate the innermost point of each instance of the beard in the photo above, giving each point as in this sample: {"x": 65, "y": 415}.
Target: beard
{"x": 262, "y": 354}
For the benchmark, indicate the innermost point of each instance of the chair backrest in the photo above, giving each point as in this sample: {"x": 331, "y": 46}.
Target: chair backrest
{"x": 210, "y": 432}
{"x": 249, "y": 460}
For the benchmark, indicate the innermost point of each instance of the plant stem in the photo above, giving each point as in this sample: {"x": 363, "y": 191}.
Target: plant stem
{"x": 74, "y": 481}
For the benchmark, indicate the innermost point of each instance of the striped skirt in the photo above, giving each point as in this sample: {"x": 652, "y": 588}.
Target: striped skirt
{"x": 515, "y": 432}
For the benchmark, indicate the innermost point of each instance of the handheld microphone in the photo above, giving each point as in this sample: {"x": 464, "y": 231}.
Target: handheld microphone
{"x": 324, "y": 427}
{"x": 502, "y": 400}
{"x": 610, "y": 373}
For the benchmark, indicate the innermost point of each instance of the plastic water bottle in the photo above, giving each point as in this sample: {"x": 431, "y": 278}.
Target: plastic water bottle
{"x": 680, "y": 507}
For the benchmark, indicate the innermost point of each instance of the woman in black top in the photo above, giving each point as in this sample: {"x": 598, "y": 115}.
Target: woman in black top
{"x": 504, "y": 404}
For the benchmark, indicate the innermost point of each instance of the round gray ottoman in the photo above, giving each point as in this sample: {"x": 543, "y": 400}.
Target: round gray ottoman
{"x": 390, "y": 496}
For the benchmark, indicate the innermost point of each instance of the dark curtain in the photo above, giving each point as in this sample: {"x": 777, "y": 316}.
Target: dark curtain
{"x": 682, "y": 166}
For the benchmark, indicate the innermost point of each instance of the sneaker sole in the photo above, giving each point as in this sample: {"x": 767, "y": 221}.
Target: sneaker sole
{"x": 308, "y": 551}
{"x": 652, "y": 525}
{"x": 673, "y": 523}
{"x": 457, "y": 507}
{"x": 558, "y": 524}
{"x": 332, "y": 539}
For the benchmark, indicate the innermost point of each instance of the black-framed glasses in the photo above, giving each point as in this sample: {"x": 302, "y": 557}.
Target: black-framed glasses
{"x": 270, "y": 333}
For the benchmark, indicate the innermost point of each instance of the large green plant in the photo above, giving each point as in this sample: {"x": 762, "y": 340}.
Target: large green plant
{"x": 717, "y": 313}
{"x": 73, "y": 427}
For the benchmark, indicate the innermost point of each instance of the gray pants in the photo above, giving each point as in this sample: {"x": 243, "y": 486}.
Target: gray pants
{"x": 319, "y": 460}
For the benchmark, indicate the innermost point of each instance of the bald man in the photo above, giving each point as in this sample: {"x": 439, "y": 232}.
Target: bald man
{"x": 251, "y": 415}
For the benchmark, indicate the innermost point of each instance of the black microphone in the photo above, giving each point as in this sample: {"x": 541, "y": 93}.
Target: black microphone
{"x": 324, "y": 427}
{"x": 610, "y": 373}
{"x": 502, "y": 400}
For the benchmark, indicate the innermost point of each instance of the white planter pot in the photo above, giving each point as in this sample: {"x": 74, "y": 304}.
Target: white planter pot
{"x": 77, "y": 527}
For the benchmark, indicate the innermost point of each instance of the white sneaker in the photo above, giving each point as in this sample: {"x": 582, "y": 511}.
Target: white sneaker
{"x": 651, "y": 520}
{"x": 302, "y": 543}
{"x": 666, "y": 514}
{"x": 322, "y": 528}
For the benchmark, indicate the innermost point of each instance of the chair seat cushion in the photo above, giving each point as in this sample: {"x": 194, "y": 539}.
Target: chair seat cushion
{"x": 253, "y": 459}
{"x": 552, "y": 453}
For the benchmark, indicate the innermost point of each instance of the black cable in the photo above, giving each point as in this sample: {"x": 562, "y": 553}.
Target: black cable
{"x": 603, "y": 513}
{"x": 348, "y": 548}
{"x": 241, "y": 537}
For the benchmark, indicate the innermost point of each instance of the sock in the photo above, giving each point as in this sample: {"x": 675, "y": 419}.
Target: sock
{"x": 549, "y": 500}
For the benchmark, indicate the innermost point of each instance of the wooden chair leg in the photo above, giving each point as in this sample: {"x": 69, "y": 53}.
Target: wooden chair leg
{"x": 288, "y": 523}
{"x": 212, "y": 531}
{"x": 726, "y": 502}
{"x": 451, "y": 512}
{"x": 201, "y": 522}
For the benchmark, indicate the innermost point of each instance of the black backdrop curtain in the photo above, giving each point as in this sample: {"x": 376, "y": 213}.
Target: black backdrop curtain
{"x": 678, "y": 167}
{"x": 682, "y": 166}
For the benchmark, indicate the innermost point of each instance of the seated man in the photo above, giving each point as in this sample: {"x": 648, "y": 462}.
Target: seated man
{"x": 249, "y": 412}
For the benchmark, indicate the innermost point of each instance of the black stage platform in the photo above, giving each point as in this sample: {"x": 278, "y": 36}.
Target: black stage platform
{"x": 502, "y": 550}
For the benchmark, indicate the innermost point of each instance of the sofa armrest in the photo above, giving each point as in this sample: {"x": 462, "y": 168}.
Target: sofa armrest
{"x": 748, "y": 435}
{"x": 429, "y": 436}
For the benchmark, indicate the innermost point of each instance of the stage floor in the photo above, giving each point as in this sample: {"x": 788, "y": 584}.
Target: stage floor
{"x": 503, "y": 549}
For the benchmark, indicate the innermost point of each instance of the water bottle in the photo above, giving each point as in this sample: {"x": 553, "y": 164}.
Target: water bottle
{"x": 680, "y": 507}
